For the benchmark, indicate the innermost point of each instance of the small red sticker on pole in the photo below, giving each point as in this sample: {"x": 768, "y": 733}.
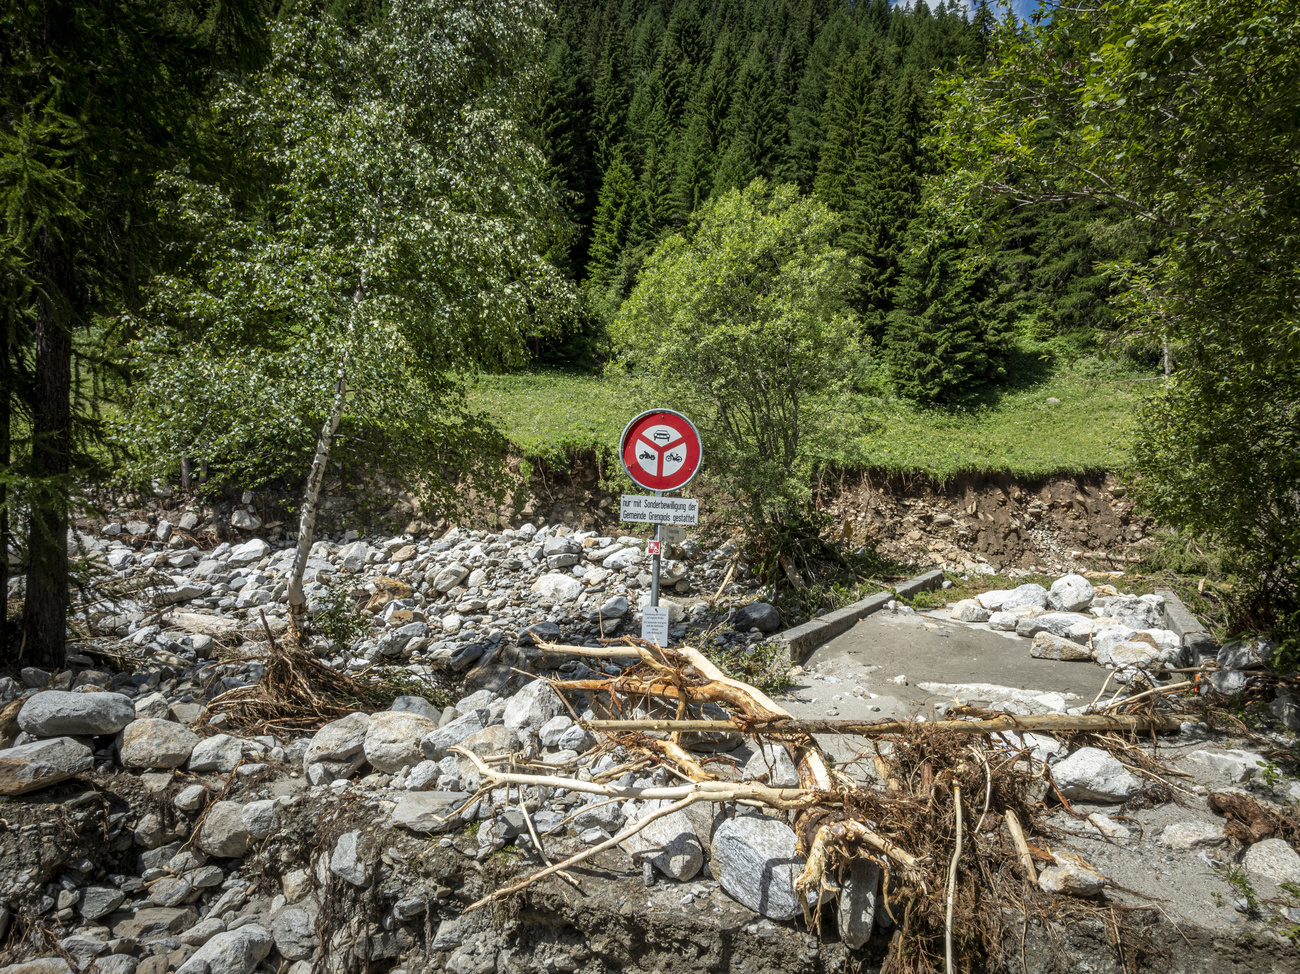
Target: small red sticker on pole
{"x": 652, "y": 548}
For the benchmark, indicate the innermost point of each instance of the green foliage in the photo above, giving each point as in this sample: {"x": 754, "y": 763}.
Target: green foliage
{"x": 741, "y": 322}
{"x": 944, "y": 337}
{"x": 382, "y": 233}
{"x": 338, "y": 615}
{"x": 548, "y": 413}
{"x": 765, "y": 666}
{"x": 1182, "y": 115}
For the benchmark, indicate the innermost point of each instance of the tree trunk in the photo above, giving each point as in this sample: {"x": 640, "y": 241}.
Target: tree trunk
{"x": 186, "y": 479}
{"x": 45, "y": 609}
{"x": 6, "y": 409}
{"x": 307, "y": 520}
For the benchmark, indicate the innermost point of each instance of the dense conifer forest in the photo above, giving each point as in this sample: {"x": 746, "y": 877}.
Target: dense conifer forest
{"x": 651, "y": 108}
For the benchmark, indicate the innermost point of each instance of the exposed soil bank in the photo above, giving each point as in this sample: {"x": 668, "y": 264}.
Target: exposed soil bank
{"x": 974, "y": 522}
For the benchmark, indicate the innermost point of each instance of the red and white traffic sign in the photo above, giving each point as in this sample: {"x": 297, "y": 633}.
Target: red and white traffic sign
{"x": 652, "y": 547}
{"x": 661, "y": 450}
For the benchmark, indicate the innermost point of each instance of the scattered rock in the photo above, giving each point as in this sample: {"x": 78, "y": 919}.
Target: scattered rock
{"x": 857, "y": 905}
{"x": 392, "y": 740}
{"x": 1236, "y": 764}
{"x": 670, "y": 843}
{"x": 220, "y": 753}
{"x": 1090, "y": 774}
{"x": 754, "y": 860}
{"x": 56, "y": 713}
{"x": 1184, "y": 836}
{"x": 1048, "y": 646}
{"x": 1274, "y": 859}
{"x": 1071, "y": 874}
{"x": 232, "y": 952}
{"x": 1070, "y": 593}
{"x": 969, "y": 610}
{"x": 347, "y": 861}
{"x": 151, "y": 742}
{"x": 339, "y": 746}
{"x": 40, "y": 764}
{"x": 757, "y": 615}
{"x": 222, "y": 833}
{"x": 532, "y": 707}
{"x": 557, "y": 587}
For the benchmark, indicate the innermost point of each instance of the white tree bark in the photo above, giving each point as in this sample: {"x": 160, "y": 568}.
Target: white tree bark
{"x": 311, "y": 497}
{"x": 311, "y": 500}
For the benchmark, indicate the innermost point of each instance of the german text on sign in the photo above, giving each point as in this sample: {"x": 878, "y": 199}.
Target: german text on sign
{"x": 640, "y": 508}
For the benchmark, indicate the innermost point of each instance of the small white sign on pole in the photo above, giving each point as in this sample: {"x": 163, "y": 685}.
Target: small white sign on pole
{"x": 672, "y": 534}
{"x": 654, "y": 624}
{"x": 646, "y": 509}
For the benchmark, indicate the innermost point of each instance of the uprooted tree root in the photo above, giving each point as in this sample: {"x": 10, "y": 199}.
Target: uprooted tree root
{"x": 300, "y": 693}
{"x": 939, "y": 813}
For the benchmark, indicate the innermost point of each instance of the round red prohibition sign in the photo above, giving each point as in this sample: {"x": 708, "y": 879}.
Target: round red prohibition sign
{"x": 661, "y": 450}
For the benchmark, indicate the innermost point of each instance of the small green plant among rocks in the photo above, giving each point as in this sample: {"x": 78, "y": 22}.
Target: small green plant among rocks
{"x": 765, "y": 666}
{"x": 339, "y": 617}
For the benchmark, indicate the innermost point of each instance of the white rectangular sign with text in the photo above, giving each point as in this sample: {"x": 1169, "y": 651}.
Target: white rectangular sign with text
{"x": 659, "y": 510}
{"x": 654, "y": 624}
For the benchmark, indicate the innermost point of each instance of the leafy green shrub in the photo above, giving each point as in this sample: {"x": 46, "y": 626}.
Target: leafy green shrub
{"x": 338, "y": 618}
{"x": 742, "y": 322}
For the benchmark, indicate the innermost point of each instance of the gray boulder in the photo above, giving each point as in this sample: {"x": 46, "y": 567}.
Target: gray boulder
{"x": 558, "y": 587}
{"x": 294, "y": 931}
{"x": 1030, "y": 594}
{"x": 250, "y": 551}
{"x": 1090, "y": 774}
{"x": 448, "y": 578}
{"x": 260, "y": 818}
{"x": 756, "y": 615}
{"x": 772, "y": 765}
{"x": 57, "y": 713}
{"x": 1048, "y": 646}
{"x": 754, "y": 860}
{"x": 151, "y": 742}
{"x": 222, "y": 833}
{"x": 857, "y": 906}
{"x": 41, "y": 764}
{"x": 532, "y": 707}
{"x": 237, "y": 951}
{"x": 434, "y": 745}
{"x": 1070, "y": 593}
{"x": 415, "y": 705}
{"x": 99, "y": 901}
{"x": 670, "y": 843}
{"x": 339, "y": 746}
{"x": 348, "y": 862}
{"x": 392, "y": 740}
{"x": 220, "y": 753}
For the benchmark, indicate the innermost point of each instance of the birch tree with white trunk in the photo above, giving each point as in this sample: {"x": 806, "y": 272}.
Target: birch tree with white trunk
{"x": 382, "y": 236}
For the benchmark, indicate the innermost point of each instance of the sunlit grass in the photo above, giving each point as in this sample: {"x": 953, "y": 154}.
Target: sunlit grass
{"x": 546, "y": 412}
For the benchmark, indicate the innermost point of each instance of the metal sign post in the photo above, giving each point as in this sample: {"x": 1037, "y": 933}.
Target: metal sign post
{"x": 654, "y": 565}
{"x": 661, "y": 451}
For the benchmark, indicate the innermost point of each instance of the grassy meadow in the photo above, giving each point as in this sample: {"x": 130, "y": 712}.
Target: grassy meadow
{"x": 1013, "y": 429}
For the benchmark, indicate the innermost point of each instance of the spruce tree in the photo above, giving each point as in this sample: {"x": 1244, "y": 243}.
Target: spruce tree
{"x": 95, "y": 98}
{"x": 756, "y": 125}
{"x": 945, "y": 335}
{"x": 611, "y": 234}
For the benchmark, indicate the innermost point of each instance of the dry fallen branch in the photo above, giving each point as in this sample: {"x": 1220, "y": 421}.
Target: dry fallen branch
{"x": 887, "y": 728}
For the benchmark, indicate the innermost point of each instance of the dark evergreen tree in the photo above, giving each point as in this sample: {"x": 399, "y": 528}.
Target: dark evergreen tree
{"x": 95, "y": 99}
{"x": 755, "y": 125}
{"x": 945, "y": 335}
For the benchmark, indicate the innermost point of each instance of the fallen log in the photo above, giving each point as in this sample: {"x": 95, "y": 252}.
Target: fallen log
{"x": 885, "y": 728}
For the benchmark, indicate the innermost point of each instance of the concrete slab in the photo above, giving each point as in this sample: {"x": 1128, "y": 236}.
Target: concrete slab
{"x": 897, "y": 665}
